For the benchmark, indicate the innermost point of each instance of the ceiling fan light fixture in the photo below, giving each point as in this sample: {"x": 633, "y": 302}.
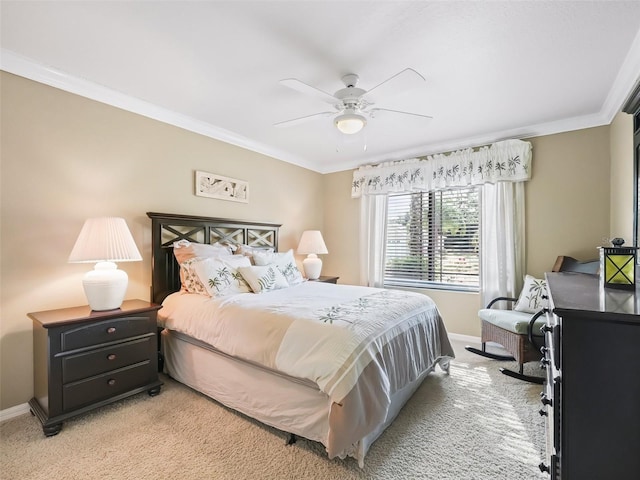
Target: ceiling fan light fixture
{"x": 350, "y": 123}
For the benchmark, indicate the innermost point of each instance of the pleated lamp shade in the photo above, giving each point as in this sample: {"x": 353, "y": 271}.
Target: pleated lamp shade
{"x": 105, "y": 240}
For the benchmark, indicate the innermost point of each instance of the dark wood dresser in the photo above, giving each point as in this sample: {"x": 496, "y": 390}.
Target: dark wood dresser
{"x": 85, "y": 359}
{"x": 591, "y": 397}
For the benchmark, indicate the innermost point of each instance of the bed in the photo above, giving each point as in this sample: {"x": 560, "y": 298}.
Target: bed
{"x": 330, "y": 363}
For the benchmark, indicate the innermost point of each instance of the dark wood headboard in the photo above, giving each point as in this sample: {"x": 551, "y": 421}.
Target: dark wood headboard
{"x": 167, "y": 228}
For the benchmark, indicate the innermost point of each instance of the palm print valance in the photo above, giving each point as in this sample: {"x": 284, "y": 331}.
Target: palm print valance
{"x": 506, "y": 161}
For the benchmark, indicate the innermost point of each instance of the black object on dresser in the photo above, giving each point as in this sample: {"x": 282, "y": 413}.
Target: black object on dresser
{"x": 85, "y": 359}
{"x": 591, "y": 398}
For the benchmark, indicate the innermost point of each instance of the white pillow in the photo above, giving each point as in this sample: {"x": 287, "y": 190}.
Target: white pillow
{"x": 248, "y": 251}
{"x": 220, "y": 276}
{"x": 285, "y": 262}
{"x": 265, "y": 257}
{"x": 264, "y": 278}
{"x": 533, "y": 296}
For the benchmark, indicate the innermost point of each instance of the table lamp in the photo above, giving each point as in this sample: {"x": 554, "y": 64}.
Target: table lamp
{"x": 105, "y": 240}
{"x": 312, "y": 244}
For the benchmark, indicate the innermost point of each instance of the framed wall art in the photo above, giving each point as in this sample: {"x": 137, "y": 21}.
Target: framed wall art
{"x": 223, "y": 188}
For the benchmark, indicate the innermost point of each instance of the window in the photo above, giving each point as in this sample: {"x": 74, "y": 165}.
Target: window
{"x": 433, "y": 239}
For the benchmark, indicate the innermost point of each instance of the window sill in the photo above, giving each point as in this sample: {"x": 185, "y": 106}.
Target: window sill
{"x": 433, "y": 286}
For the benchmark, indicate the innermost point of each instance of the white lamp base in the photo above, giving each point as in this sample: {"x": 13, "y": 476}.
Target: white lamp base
{"x": 105, "y": 286}
{"x": 312, "y": 266}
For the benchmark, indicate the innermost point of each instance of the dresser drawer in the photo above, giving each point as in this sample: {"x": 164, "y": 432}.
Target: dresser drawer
{"x": 106, "y": 331}
{"x": 107, "y": 385}
{"x": 105, "y": 359}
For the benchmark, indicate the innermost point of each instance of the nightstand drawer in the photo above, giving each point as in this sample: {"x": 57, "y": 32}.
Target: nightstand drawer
{"x": 103, "y": 332}
{"x": 95, "y": 362}
{"x": 107, "y": 385}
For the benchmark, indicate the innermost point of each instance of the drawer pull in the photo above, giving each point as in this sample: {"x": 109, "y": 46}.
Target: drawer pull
{"x": 111, "y": 382}
{"x": 546, "y": 400}
{"x": 111, "y": 330}
{"x": 111, "y": 356}
{"x": 544, "y": 468}
{"x": 543, "y": 413}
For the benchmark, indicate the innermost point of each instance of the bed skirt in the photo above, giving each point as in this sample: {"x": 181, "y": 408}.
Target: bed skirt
{"x": 289, "y": 404}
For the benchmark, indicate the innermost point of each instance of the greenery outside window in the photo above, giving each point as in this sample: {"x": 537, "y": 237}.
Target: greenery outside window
{"x": 433, "y": 239}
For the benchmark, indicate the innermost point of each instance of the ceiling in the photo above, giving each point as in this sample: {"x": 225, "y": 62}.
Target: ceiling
{"x": 493, "y": 70}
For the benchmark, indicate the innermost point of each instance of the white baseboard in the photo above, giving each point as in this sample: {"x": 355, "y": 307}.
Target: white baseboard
{"x": 464, "y": 338}
{"x": 12, "y": 412}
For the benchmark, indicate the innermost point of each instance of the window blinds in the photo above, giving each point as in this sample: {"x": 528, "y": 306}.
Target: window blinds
{"x": 433, "y": 237}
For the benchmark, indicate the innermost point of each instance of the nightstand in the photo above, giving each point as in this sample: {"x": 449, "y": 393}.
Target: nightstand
{"x": 326, "y": 279}
{"x": 84, "y": 359}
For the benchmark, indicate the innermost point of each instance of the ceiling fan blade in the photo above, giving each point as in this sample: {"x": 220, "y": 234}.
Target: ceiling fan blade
{"x": 297, "y": 121}
{"x": 374, "y": 111}
{"x": 302, "y": 87}
{"x": 407, "y": 79}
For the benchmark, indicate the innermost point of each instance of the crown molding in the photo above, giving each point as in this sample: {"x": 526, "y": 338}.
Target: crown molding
{"x": 625, "y": 82}
{"x": 25, "y": 67}
{"x": 30, "y": 69}
{"x": 520, "y": 133}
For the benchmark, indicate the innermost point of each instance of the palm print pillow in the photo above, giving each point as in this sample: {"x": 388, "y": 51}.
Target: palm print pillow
{"x": 220, "y": 276}
{"x": 263, "y": 279}
{"x": 285, "y": 262}
{"x": 533, "y": 296}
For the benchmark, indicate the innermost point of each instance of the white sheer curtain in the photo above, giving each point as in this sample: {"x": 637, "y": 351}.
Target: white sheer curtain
{"x": 373, "y": 233}
{"x": 502, "y": 243}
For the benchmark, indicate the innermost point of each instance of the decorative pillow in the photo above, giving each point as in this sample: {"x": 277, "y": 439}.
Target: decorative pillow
{"x": 285, "y": 262}
{"x": 265, "y": 258}
{"x": 220, "y": 275}
{"x": 248, "y": 251}
{"x": 185, "y": 250}
{"x": 189, "y": 280}
{"x": 533, "y": 296}
{"x": 263, "y": 279}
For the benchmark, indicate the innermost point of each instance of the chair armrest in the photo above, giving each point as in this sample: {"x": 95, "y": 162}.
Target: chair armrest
{"x": 498, "y": 299}
{"x": 531, "y": 322}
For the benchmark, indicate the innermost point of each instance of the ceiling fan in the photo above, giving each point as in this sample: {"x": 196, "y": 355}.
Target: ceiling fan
{"x": 352, "y": 103}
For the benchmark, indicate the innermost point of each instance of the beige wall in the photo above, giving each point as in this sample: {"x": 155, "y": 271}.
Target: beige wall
{"x": 341, "y": 228}
{"x": 621, "y": 222}
{"x": 65, "y": 158}
{"x": 567, "y": 212}
{"x": 567, "y": 199}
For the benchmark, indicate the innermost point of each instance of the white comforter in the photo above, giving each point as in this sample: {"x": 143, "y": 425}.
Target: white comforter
{"x": 359, "y": 345}
{"x": 317, "y": 331}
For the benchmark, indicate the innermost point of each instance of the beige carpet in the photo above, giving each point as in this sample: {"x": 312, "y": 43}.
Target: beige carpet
{"x": 473, "y": 424}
